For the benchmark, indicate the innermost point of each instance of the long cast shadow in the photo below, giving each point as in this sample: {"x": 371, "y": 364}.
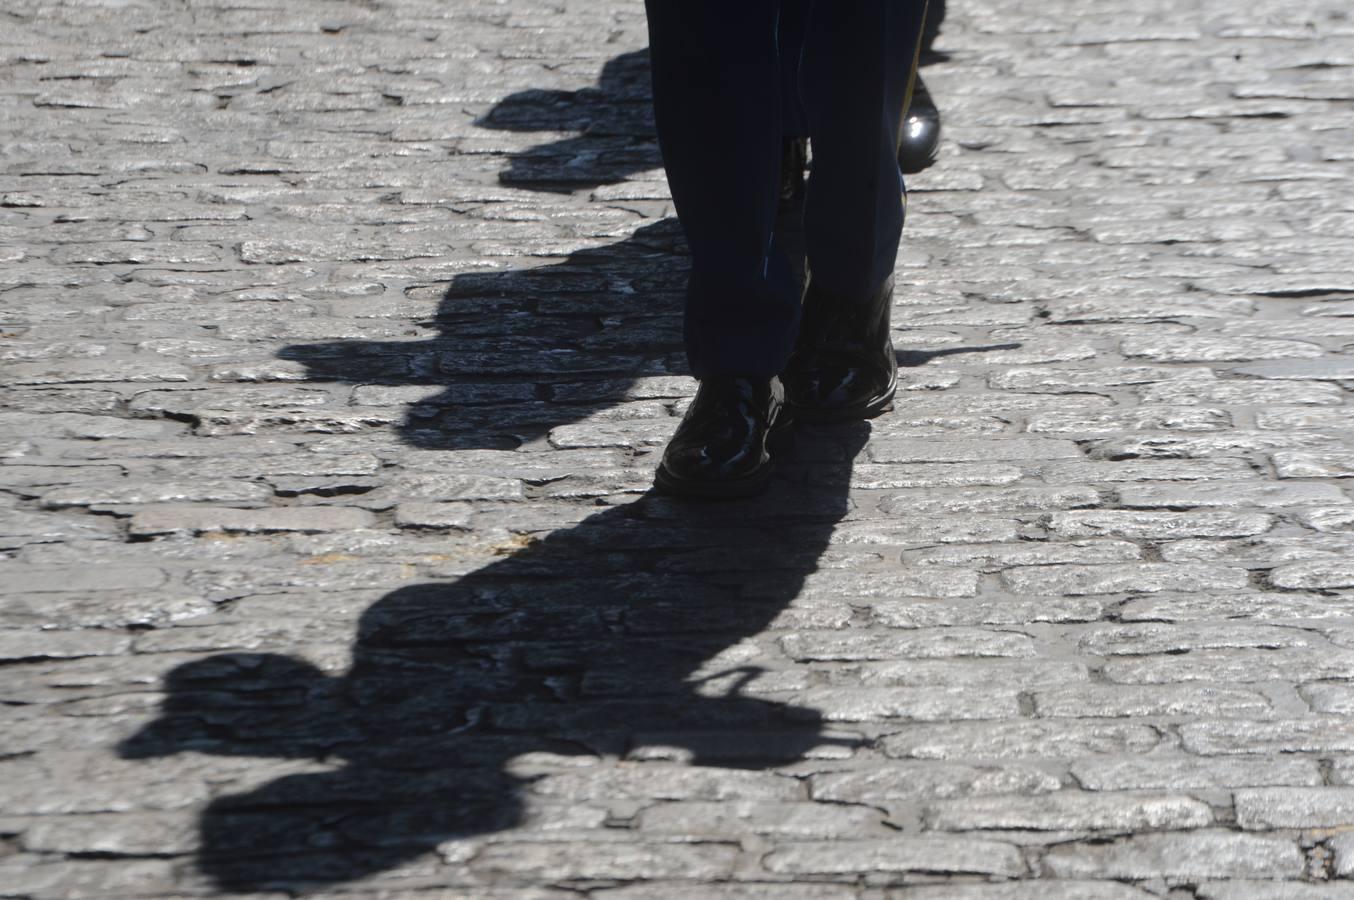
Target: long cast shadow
{"x": 598, "y": 639}
{"x": 595, "y": 640}
{"x": 521, "y": 352}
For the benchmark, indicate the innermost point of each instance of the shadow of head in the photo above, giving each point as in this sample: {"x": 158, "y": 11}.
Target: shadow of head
{"x": 612, "y": 125}
{"x": 556, "y": 639}
{"x": 620, "y": 636}
{"x": 518, "y": 353}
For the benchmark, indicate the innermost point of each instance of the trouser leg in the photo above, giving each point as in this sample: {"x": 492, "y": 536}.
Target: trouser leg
{"x": 858, "y": 65}
{"x": 794, "y": 22}
{"x": 717, "y": 106}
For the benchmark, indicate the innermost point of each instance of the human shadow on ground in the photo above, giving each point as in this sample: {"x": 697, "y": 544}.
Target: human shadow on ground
{"x": 597, "y": 640}
{"x": 613, "y": 121}
{"x": 603, "y": 639}
{"x": 521, "y": 352}
{"x": 608, "y": 638}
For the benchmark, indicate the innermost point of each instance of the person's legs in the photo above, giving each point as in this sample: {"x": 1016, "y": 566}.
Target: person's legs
{"x": 717, "y": 104}
{"x": 793, "y": 28}
{"x": 859, "y": 61}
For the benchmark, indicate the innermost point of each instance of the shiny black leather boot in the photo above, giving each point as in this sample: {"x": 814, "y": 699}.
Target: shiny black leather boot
{"x": 843, "y": 366}
{"x": 919, "y": 143}
{"x": 725, "y": 444}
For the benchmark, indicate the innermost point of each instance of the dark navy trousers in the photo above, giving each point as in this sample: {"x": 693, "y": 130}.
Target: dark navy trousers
{"x": 730, "y": 78}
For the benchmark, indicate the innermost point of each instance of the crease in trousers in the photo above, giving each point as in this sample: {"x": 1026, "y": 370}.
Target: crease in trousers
{"x": 730, "y": 79}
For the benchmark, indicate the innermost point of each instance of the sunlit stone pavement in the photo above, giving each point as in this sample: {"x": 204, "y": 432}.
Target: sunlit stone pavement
{"x": 339, "y": 343}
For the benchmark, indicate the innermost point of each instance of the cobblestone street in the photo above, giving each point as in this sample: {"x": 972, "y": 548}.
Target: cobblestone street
{"x": 340, "y": 340}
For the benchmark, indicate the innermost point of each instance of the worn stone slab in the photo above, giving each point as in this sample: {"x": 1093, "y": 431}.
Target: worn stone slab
{"x": 1142, "y": 418}
{"x": 1097, "y": 471}
{"x": 19, "y": 645}
{"x": 1106, "y": 701}
{"x": 944, "y": 643}
{"x": 1184, "y": 857}
{"x": 87, "y": 427}
{"x": 195, "y": 520}
{"x": 1059, "y": 379}
{"x": 1114, "y": 579}
{"x": 1144, "y": 639}
{"x": 1330, "y": 368}
{"x": 998, "y": 556}
{"x": 1317, "y": 574}
{"x": 1020, "y": 890}
{"x": 1242, "y": 392}
{"x": 147, "y": 833}
{"x": 1143, "y": 524}
{"x": 132, "y": 493}
{"x": 928, "y": 704}
{"x": 1173, "y": 773}
{"x": 672, "y": 890}
{"x": 913, "y": 781}
{"x": 661, "y": 782}
{"x": 1277, "y": 605}
{"x": 897, "y": 855}
{"x": 796, "y": 821}
{"x": 985, "y": 611}
{"x": 1242, "y": 666}
{"x": 1274, "y": 890}
{"x": 1329, "y": 519}
{"x": 1234, "y": 442}
{"x": 947, "y": 451}
{"x": 1216, "y": 349}
{"x": 1019, "y": 740}
{"x": 554, "y": 862}
{"x": 19, "y": 579}
{"x": 1300, "y": 464}
{"x": 1264, "y": 496}
{"x": 1304, "y": 418}
{"x": 1261, "y": 551}
{"x": 1320, "y": 734}
{"x": 1069, "y": 811}
{"x": 1267, "y": 809}
{"x": 986, "y": 500}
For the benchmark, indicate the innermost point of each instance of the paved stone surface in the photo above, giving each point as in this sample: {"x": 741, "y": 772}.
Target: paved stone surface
{"x": 339, "y": 339}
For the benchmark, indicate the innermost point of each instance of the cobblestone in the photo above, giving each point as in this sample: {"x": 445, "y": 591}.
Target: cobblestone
{"x": 1158, "y": 525}
{"x": 1234, "y": 666}
{"x": 1070, "y": 811}
{"x": 1180, "y": 857}
{"x": 1103, "y": 701}
{"x": 1321, "y": 735}
{"x": 1050, "y": 890}
{"x": 896, "y": 856}
{"x": 1020, "y": 740}
{"x": 1157, "y": 772}
{"x": 567, "y": 861}
{"x": 1131, "y": 577}
{"x": 194, "y": 520}
{"x": 1272, "y": 808}
{"x": 1270, "y": 890}
{"x": 338, "y": 343}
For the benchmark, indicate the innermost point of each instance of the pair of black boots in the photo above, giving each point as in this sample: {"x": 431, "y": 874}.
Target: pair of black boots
{"x": 842, "y": 369}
